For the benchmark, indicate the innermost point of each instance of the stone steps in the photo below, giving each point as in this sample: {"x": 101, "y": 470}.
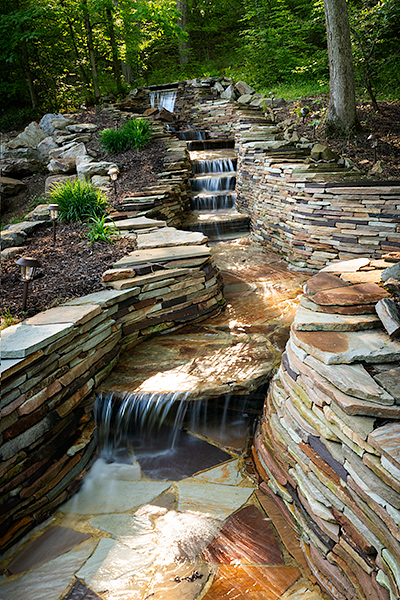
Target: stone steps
{"x": 215, "y": 223}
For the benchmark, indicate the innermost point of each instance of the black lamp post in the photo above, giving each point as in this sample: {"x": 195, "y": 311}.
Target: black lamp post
{"x": 54, "y": 209}
{"x": 113, "y": 173}
{"x": 272, "y": 96}
{"x": 29, "y": 271}
{"x": 304, "y": 112}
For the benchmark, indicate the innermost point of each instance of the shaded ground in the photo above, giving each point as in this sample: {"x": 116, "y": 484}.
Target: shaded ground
{"x": 385, "y": 125}
{"x": 71, "y": 270}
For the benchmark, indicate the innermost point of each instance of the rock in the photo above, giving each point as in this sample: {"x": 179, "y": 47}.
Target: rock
{"x": 82, "y": 128}
{"x": 359, "y": 293}
{"x": 230, "y": 93}
{"x": 60, "y": 123}
{"x": 166, "y": 115}
{"x": 26, "y": 227}
{"x": 56, "y": 179}
{"x": 20, "y": 166}
{"x": 245, "y": 99}
{"x": 46, "y": 122}
{"x": 388, "y": 313}
{"x": 243, "y": 88}
{"x": 62, "y": 165}
{"x": 29, "y": 138}
{"x": 321, "y": 152}
{"x": 218, "y": 87}
{"x": 377, "y": 168}
{"x": 87, "y": 169}
{"x": 45, "y": 146}
{"x": 40, "y": 213}
{"x": 8, "y": 253}
{"x": 11, "y": 187}
{"x": 101, "y": 182}
{"x": 70, "y": 150}
{"x": 11, "y": 238}
{"x": 392, "y": 272}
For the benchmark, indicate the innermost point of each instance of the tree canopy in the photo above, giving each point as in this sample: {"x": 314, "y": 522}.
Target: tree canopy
{"x": 57, "y": 54}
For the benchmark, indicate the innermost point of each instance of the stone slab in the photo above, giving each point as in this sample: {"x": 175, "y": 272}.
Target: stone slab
{"x": 363, "y": 276}
{"x": 51, "y": 580}
{"x": 138, "y": 223}
{"x": 162, "y": 255}
{"x": 219, "y": 501}
{"x": 81, "y": 592}
{"x": 322, "y": 281}
{"x": 386, "y": 439}
{"x": 245, "y": 538}
{"x": 95, "y": 496}
{"x": 390, "y": 380}
{"x": 346, "y": 266}
{"x": 169, "y": 236}
{"x": 78, "y": 315}
{"x": 51, "y": 544}
{"x": 361, "y": 309}
{"x": 227, "y": 474}
{"x": 363, "y": 293}
{"x": 252, "y": 582}
{"x": 347, "y": 347}
{"x": 105, "y": 298}
{"x": 351, "y": 379}
{"x": 21, "y": 340}
{"x": 309, "y": 320}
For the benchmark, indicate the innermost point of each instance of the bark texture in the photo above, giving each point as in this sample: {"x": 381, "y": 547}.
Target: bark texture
{"x": 181, "y": 5}
{"x": 342, "y": 104}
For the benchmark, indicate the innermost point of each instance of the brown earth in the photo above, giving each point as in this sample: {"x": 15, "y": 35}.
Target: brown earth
{"x": 73, "y": 273}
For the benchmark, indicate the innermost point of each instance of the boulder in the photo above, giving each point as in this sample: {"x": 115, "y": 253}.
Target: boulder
{"x": 230, "y": 93}
{"x": 72, "y": 150}
{"x": 245, "y": 99}
{"x": 321, "y": 152}
{"x": 166, "y": 115}
{"x": 31, "y": 153}
{"x": 101, "y": 182}
{"x": 54, "y": 180}
{"x": 20, "y": 166}
{"x": 40, "y": 213}
{"x": 29, "y": 138}
{"x": 218, "y": 87}
{"x": 9, "y": 253}
{"x": 259, "y": 100}
{"x": 45, "y": 122}
{"x": 11, "y": 187}
{"x": 62, "y": 165}
{"x": 60, "y": 123}
{"x": 26, "y": 227}
{"x": 392, "y": 272}
{"x": 82, "y": 128}
{"x": 243, "y": 88}
{"x": 86, "y": 170}
{"x": 45, "y": 146}
{"x": 10, "y": 238}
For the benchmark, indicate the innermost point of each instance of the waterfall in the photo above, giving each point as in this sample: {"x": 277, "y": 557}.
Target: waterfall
{"x": 128, "y": 417}
{"x": 163, "y": 99}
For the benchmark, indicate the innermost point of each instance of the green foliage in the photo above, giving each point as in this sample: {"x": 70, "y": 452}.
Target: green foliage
{"x": 16, "y": 118}
{"x": 7, "y": 319}
{"x": 134, "y": 135}
{"x": 78, "y": 200}
{"x": 101, "y": 230}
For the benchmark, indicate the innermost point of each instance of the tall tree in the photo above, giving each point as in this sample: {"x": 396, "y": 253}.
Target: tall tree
{"x": 182, "y": 8}
{"x": 90, "y": 45}
{"x": 341, "y": 115}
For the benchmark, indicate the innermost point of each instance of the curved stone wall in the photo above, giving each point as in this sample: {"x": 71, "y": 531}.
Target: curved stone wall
{"x": 327, "y": 449}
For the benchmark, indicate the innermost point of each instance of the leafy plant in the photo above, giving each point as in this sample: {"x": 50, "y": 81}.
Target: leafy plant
{"x": 78, "y": 200}
{"x": 102, "y": 230}
{"x": 7, "y": 319}
{"x": 134, "y": 135}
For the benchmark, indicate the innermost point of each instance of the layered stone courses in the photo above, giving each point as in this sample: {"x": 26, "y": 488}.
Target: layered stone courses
{"x": 327, "y": 448}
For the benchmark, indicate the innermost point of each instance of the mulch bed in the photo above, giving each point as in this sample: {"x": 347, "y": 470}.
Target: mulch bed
{"x": 71, "y": 270}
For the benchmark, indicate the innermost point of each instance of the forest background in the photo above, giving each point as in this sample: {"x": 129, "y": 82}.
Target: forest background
{"x": 57, "y": 54}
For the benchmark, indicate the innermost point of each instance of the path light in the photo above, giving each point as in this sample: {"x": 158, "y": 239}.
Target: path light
{"x": 374, "y": 144}
{"x": 272, "y": 95}
{"x": 29, "y": 271}
{"x": 54, "y": 209}
{"x": 304, "y": 112}
{"x": 113, "y": 172}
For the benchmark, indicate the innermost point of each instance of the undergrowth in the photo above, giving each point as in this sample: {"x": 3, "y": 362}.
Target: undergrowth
{"x": 78, "y": 200}
{"x": 132, "y": 136}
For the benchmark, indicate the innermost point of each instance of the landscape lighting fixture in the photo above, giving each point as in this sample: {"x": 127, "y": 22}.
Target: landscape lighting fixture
{"x": 304, "y": 112}
{"x": 374, "y": 144}
{"x": 113, "y": 173}
{"x": 29, "y": 271}
{"x": 54, "y": 209}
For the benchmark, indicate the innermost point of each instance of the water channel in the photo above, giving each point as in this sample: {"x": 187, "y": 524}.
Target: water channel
{"x": 170, "y": 509}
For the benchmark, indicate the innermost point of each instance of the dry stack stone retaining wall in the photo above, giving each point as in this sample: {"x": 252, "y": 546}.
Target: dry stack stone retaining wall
{"x": 327, "y": 449}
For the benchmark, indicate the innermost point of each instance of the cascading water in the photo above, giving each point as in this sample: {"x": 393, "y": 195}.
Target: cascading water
{"x": 163, "y": 99}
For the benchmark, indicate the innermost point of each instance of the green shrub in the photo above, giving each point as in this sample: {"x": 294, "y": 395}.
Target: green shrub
{"x": 134, "y": 135}
{"x": 78, "y": 200}
{"x": 101, "y": 231}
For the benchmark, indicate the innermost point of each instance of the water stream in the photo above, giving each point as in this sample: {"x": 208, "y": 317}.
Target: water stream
{"x": 163, "y": 99}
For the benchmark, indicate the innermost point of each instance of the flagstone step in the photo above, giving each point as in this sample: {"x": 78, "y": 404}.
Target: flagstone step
{"x": 215, "y": 223}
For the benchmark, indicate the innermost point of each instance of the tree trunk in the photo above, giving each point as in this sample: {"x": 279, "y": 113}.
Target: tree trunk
{"x": 181, "y": 5}
{"x": 114, "y": 49}
{"x": 341, "y": 114}
{"x": 92, "y": 56}
{"x": 27, "y": 67}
